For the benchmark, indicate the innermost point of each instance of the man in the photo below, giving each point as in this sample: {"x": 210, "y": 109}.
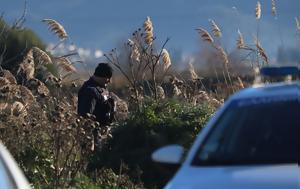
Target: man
{"x": 93, "y": 97}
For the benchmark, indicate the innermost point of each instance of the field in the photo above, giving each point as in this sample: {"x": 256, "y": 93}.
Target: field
{"x": 157, "y": 104}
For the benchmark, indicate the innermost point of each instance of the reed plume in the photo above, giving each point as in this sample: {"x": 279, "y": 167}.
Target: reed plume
{"x": 148, "y": 24}
{"x": 215, "y": 29}
{"x": 205, "y": 35}
{"x": 135, "y": 54}
{"x": 26, "y": 68}
{"x": 193, "y": 74}
{"x": 41, "y": 56}
{"x": 56, "y": 28}
{"x": 240, "y": 43}
{"x": 297, "y": 24}
{"x": 130, "y": 43}
{"x": 66, "y": 64}
{"x": 273, "y": 10}
{"x": 166, "y": 59}
{"x": 148, "y": 28}
{"x": 148, "y": 37}
{"x": 258, "y": 10}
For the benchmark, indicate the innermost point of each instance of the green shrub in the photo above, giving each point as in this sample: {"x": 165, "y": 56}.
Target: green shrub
{"x": 158, "y": 124}
{"x": 15, "y": 42}
{"x": 105, "y": 179}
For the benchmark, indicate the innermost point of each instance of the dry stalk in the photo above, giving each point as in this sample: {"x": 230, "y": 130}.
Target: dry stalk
{"x": 241, "y": 84}
{"x": 261, "y": 51}
{"x": 192, "y": 72}
{"x": 297, "y": 24}
{"x": 258, "y": 16}
{"x": 111, "y": 58}
{"x": 273, "y": 10}
{"x": 225, "y": 60}
{"x": 224, "y": 56}
{"x": 154, "y": 61}
{"x": 207, "y": 37}
{"x": 20, "y": 21}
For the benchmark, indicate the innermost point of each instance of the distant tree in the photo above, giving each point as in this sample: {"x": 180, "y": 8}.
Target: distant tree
{"x": 15, "y": 41}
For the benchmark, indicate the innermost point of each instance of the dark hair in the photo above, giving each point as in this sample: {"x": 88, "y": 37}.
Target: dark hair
{"x": 103, "y": 70}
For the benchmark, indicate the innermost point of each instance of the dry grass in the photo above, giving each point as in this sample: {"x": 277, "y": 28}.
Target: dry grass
{"x": 224, "y": 56}
{"x": 297, "y": 24}
{"x": 261, "y": 51}
{"x": 135, "y": 54}
{"x": 241, "y": 84}
{"x": 215, "y": 29}
{"x": 258, "y": 10}
{"x": 240, "y": 43}
{"x": 205, "y": 35}
{"x": 166, "y": 59}
{"x": 65, "y": 64}
{"x": 42, "y": 57}
{"x": 192, "y": 72}
{"x": 27, "y": 68}
{"x": 56, "y": 28}
{"x": 273, "y": 9}
{"x": 55, "y": 107}
{"x": 148, "y": 28}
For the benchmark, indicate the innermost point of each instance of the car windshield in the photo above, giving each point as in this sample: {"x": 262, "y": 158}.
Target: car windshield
{"x": 254, "y": 132}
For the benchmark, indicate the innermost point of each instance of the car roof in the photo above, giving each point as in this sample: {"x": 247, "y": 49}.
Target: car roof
{"x": 12, "y": 168}
{"x": 282, "y": 89}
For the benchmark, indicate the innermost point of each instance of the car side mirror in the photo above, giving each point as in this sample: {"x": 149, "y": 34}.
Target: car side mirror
{"x": 171, "y": 154}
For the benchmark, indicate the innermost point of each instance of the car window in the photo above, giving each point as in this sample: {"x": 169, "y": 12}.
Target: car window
{"x": 5, "y": 179}
{"x": 257, "y": 132}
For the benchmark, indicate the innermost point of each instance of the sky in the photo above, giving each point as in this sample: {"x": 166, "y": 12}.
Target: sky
{"x": 97, "y": 26}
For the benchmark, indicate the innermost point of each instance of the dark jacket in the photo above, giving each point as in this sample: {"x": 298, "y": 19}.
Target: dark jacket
{"x": 91, "y": 100}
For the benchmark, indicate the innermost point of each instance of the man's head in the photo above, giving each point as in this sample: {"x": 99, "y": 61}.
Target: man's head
{"x": 103, "y": 73}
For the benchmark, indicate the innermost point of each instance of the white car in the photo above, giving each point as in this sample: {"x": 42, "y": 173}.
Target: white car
{"x": 11, "y": 176}
{"x": 252, "y": 142}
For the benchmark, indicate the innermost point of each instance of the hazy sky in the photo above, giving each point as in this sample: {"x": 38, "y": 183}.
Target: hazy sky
{"x": 103, "y": 24}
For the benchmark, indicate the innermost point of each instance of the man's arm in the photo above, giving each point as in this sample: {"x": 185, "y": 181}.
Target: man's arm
{"x": 87, "y": 101}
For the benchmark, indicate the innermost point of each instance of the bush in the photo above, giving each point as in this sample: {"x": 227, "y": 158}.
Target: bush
{"x": 158, "y": 124}
{"x": 15, "y": 42}
{"x": 105, "y": 179}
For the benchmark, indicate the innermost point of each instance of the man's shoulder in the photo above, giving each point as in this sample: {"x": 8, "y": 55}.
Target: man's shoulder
{"x": 87, "y": 86}
{"x": 94, "y": 91}
{"x": 90, "y": 89}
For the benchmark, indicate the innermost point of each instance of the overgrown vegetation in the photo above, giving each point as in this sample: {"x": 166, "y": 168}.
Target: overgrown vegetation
{"x": 14, "y": 44}
{"x": 158, "y": 124}
{"x": 55, "y": 147}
